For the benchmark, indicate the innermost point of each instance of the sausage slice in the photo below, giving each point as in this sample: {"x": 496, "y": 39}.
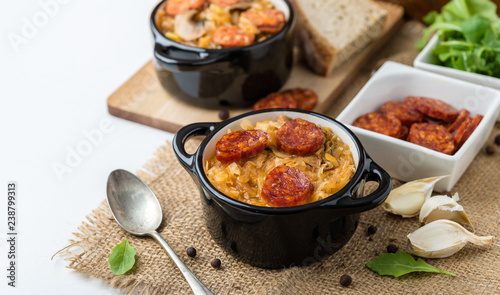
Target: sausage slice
{"x": 434, "y": 108}
{"x": 306, "y": 98}
{"x": 286, "y": 186}
{"x": 275, "y": 100}
{"x": 232, "y": 36}
{"x": 462, "y": 116}
{"x": 407, "y": 115}
{"x": 299, "y": 137}
{"x": 240, "y": 145}
{"x": 432, "y": 136}
{"x": 465, "y": 130}
{"x": 386, "y": 124}
{"x": 266, "y": 20}
{"x": 174, "y": 7}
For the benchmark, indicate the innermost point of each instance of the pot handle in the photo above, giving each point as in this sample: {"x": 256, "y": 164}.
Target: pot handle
{"x": 183, "y": 135}
{"x": 372, "y": 172}
{"x": 162, "y": 54}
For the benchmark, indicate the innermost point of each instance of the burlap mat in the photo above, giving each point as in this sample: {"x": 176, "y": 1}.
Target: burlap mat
{"x": 477, "y": 268}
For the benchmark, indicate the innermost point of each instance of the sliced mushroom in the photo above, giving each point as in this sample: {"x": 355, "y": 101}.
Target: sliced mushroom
{"x": 243, "y": 5}
{"x": 186, "y": 27}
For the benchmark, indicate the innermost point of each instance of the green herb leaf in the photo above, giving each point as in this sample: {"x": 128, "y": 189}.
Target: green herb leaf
{"x": 474, "y": 28}
{"x": 430, "y": 17}
{"x": 469, "y": 36}
{"x": 122, "y": 259}
{"x": 400, "y": 264}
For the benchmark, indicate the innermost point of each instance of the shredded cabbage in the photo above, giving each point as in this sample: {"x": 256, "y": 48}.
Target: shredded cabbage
{"x": 329, "y": 169}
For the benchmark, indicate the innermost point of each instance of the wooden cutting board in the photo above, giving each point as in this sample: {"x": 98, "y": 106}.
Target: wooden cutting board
{"x": 142, "y": 99}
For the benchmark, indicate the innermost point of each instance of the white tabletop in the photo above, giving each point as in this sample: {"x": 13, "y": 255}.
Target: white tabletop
{"x": 59, "y": 61}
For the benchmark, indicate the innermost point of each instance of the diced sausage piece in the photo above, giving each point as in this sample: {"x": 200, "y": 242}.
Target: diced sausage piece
{"x": 266, "y": 21}
{"x": 224, "y": 3}
{"x": 380, "y": 123}
{"x": 462, "y": 116}
{"x": 432, "y": 136}
{"x": 435, "y": 108}
{"x": 286, "y": 186}
{"x": 465, "y": 130}
{"x": 306, "y": 98}
{"x": 275, "y": 100}
{"x": 299, "y": 137}
{"x": 240, "y": 145}
{"x": 232, "y": 36}
{"x": 405, "y": 114}
{"x": 174, "y": 7}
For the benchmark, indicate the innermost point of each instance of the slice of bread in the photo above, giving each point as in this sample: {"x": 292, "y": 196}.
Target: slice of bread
{"x": 331, "y": 31}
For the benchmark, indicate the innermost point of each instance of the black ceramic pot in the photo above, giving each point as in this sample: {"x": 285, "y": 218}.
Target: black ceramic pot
{"x": 231, "y": 77}
{"x": 281, "y": 237}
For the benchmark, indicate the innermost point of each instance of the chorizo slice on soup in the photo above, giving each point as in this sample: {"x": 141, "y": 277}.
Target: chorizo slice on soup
{"x": 299, "y": 137}
{"x": 232, "y": 36}
{"x": 286, "y": 186}
{"x": 240, "y": 145}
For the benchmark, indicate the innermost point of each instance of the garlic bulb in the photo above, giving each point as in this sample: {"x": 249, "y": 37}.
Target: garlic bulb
{"x": 444, "y": 207}
{"x": 407, "y": 199}
{"x": 443, "y": 238}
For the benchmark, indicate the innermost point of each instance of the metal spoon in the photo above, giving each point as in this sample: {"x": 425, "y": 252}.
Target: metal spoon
{"x": 137, "y": 210}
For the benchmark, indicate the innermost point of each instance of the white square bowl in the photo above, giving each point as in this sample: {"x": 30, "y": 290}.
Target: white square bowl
{"x": 407, "y": 161}
{"x": 426, "y": 60}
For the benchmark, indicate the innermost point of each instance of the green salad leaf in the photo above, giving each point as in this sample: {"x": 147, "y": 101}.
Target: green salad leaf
{"x": 122, "y": 259}
{"x": 469, "y": 33}
{"x": 401, "y": 263}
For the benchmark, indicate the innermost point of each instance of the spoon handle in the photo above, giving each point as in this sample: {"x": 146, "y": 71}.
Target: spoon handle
{"x": 195, "y": 284}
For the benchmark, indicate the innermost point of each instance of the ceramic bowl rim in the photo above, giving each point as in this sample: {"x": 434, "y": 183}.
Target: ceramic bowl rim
{"x": 206, "y": 184}
{"x": 286, "y": 28}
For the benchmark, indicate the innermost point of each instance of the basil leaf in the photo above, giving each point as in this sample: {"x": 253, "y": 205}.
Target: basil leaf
{"x": 400, "y": 264}
{"x": 122, "y": 259}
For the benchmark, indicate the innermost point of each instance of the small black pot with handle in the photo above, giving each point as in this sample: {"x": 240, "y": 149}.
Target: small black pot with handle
{"x": 281, "y": 237}
{"x": 228, "y": 77}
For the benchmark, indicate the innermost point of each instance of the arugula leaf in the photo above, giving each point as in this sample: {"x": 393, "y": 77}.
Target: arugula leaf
{"x": 122, "y": 259}
{"x": 400, "y": 264}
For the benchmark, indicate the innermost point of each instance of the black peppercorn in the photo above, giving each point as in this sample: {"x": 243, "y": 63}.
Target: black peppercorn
{"x": 497, "y": 139}
{"x": 490, "y": 150}
{"x": 223, "y": 114}
{"x": 371, "y": 230}
{"x": 391, "y": 248}
{"x": 191, "y": 252}
{"x": 215, "y": 263}
{"x": 345, "y": 280}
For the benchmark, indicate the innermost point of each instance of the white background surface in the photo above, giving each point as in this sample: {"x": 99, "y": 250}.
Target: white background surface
{"x": 53, "y": 90}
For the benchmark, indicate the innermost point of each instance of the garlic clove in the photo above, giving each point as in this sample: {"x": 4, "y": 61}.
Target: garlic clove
{"x": 407, "y": 199}
{"x": 443, "y": 238}
{"x": 406, "y": 205}
{"x": 444, "y": 207}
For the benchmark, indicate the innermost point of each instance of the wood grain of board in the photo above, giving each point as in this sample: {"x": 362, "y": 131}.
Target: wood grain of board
{"x": 143, "y": 100}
